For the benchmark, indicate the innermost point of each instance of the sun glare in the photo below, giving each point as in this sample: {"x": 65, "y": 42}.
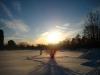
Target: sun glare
{"x": 54, "y": 37}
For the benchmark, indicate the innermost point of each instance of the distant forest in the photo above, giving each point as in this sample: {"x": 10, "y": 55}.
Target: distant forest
{"x": 90, "y": 37}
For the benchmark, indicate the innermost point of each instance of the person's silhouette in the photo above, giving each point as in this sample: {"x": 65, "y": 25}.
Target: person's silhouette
{"x": 41, "y": 50}
{"x": 52, "y": 53}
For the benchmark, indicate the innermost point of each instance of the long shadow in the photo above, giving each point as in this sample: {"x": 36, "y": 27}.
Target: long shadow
{"x": 52, "y": 68}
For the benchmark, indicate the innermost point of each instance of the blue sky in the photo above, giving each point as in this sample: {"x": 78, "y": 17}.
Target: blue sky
{"x": 27, "y": 20}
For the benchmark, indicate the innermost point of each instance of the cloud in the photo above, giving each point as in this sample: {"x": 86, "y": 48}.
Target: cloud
{"x": 17, "y": 6}
{"x": 74, "y": 26}
{"x": 71, "y": 29}
{"x": 6, "y": 10}
{"x": 40, "y": 40}
{"x": 45, "y": 33}
{"x": 61, "y": 27}
{"x": 66, "y": 25}
{"x": 19, "y": 29}
{"x": 17, "y": 25}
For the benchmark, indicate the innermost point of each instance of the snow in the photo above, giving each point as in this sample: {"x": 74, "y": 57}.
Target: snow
{"x": 29, "y": 62}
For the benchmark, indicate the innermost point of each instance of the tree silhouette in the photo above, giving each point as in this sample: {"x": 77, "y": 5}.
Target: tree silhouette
{"x": 11, "y": 45}
{"x": 92, "y": 29}
{"x": 1, "y": 39}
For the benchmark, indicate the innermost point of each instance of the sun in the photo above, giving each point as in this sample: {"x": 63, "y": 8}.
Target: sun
{"x": 51, "y": 37}
{"x": 54, "y": 37}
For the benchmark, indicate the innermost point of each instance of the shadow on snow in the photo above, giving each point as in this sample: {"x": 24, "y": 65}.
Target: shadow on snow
{"x": 51, "y": 68}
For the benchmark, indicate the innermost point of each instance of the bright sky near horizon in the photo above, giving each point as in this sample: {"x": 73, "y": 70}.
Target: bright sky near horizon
{"x": 33, "y": 21}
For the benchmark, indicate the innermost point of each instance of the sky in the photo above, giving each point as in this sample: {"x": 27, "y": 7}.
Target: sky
{"x": 30, "y": 20}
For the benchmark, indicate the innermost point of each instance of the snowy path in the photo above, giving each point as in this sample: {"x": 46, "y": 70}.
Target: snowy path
{"x": 52, "y": 68}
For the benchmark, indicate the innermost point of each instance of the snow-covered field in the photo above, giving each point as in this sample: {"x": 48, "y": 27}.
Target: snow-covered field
{"x": 28, "y": 62}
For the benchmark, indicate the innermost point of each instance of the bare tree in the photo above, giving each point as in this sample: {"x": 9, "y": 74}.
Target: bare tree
{"x": 92, "y": 30}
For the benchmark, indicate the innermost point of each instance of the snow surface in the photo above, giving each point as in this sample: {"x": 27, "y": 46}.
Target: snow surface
{"x": 29, "y": 62}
